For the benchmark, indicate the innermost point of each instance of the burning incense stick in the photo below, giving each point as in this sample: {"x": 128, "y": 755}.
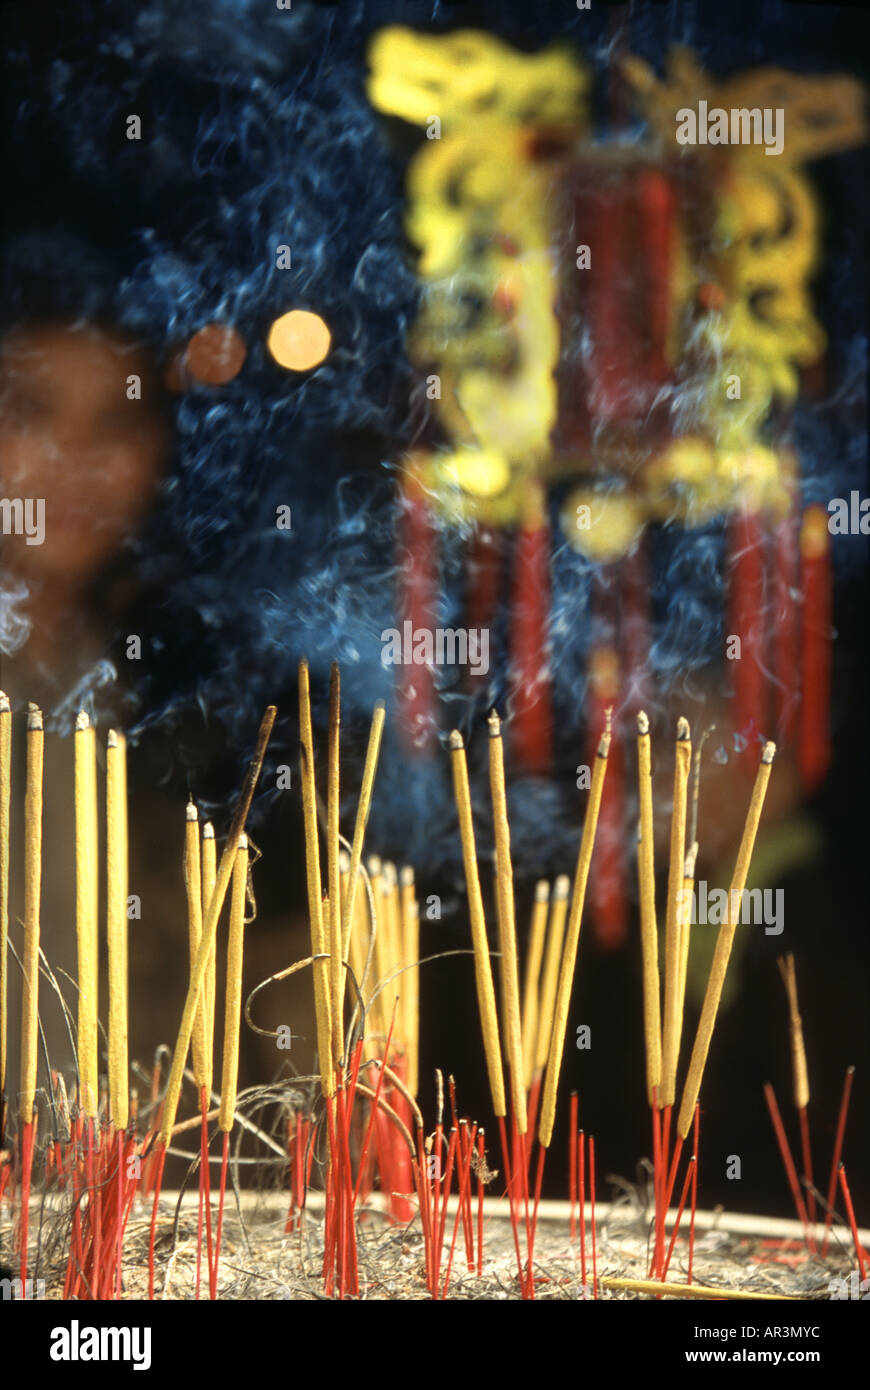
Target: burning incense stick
{"x": 362, "y": 816}
{"x": 208, "y": 859}
{"x": 193, "y": 886}
{"x": 333, "y": 785}
{"x": 233, "y": 1001}
{"x": 572, "y": 941}
{"x": 648, "y": 932}
{"x": 685, "y": 938}
{"x": 32, "y": 888}
{"x": 319, "y": 945}
{"x": 5, "y": 794}
{"x": 482, "y": 968}
{"x": 411, "y": 951}
{"x": 674, "y": 916}
{"x": 116, "y": 926}
{"x": 209, "y": 929}
{"x": 510, "y": 988}
{"x": 724, "y": 943}
{"x": 86, "y": 912}
{"x": 532, "y": 978}
{"x": 552, "y": 961}
{"x": 800, "y": 1075}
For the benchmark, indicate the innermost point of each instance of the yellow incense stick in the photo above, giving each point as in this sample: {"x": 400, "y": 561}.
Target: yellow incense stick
{"x": 362, "y": 817}
{"x": 336, "y": 955}
{"x": 357, "y": 947}
{"x": 552, "y": 961}
{"x": 200, "y": 1044}
{"x": 233, "y": 1005}
{"x": 482, "y": 967}
{"x": 86, "y": 913}
{"x": 5, "y": 793}
{"x": 685, "y": 936}
{"x": 209, "y": 926}
{"x": 208, "y": 859}
{"x": 32, "y": 888}
{"x": 116, "y": 927}
{"x": 391, "y": 933}
{"x": 673, "y": 916}
{"x": 319, "y": 945}
{"x": 505, "y": 916}
{"x": 532, "y": 976}
{"x": 800, "y": 1075}
{"x": 724, "y": 942}
{"x": 572, "y": 941}
{"x": 411, "y": 954}
{"x": 648, "y": 931}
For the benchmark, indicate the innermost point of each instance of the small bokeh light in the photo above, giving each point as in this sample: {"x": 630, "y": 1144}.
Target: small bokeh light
{"x": 299, "y": 340}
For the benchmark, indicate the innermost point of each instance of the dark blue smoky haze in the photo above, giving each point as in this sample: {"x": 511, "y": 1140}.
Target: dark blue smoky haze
{"x": 256, "y": 133}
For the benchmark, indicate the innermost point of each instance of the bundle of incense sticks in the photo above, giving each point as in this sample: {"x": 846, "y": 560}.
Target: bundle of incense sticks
{"x": 365, "y": 961}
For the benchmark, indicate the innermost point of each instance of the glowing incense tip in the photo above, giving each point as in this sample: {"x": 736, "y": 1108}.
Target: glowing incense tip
{"x": 111, "y": 739}
{"x": 494, "y": 726}
{"x": 5, "y": 706}
{"x": 208, "y": 831}
{"x": 562, "y": 886}
{"x": 375, "y": 865}
{"x": 242, "y": 842}
{"x": 82, "y": 721}
{"x": 406, "y": 876}
{"x": 34, "y": 716}
{"x": 542, "y": 891}
{"x": 191, "y": 812}
{"x": 768, "y": 753}
{"x": 455, "y": 742}
{"x": 642, "y": 724}
{"x": 684, "y": 733}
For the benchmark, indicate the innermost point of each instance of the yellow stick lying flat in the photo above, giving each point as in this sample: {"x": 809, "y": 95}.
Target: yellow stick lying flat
{"x": 692, "y": 1291}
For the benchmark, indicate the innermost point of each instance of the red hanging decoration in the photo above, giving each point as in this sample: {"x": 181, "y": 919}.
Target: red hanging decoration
{"x": 815, "y": 722}
{"x": 531, "y": 702}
